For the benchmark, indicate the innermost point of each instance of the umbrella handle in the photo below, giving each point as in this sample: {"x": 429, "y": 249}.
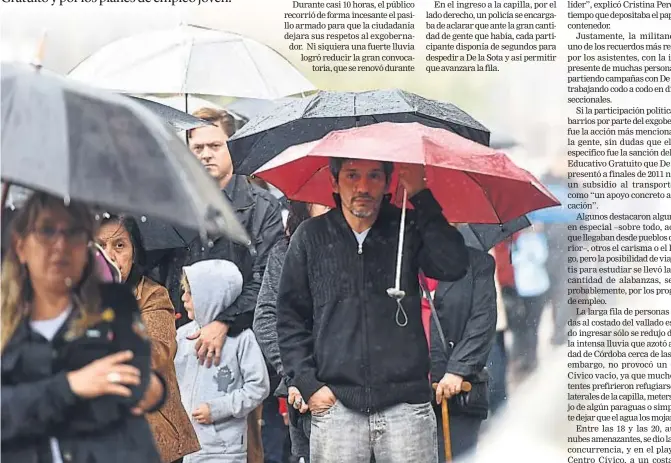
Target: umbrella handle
{"x": 401, "y": 239}
{"x": 5, "y": 191}
{"x": 396, "y": 292}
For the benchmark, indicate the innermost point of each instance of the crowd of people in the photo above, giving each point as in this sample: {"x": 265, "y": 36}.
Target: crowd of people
{"x": 294, "y": 352}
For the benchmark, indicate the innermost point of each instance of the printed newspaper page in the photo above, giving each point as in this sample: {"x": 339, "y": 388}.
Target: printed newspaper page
{"x": 559, "y": 112}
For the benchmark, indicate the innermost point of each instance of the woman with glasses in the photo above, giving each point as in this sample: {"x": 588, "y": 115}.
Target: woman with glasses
{"x": 76, "y": 376}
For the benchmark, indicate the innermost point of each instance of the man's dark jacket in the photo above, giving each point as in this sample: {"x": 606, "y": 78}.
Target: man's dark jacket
{"x": 467, "y": 312}
{"x": 337, "y": 325}
{"x": 259, "y": 212}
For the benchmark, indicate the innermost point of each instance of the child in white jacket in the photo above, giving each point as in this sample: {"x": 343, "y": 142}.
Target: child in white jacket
{"x": 218, "y": 398}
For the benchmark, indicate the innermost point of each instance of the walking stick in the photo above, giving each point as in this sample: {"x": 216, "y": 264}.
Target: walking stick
{"x": 465, "y": 387}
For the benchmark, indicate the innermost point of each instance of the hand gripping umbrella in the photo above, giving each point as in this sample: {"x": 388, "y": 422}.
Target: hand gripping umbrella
{"x": 472, "y": 183}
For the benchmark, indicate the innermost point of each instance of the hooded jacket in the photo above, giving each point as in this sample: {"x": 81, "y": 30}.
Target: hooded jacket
{"x": 233, "y": 389}
{"x": 336, "y": 324}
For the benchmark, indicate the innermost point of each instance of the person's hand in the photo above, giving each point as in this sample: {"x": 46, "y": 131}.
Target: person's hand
{"x": 295, "y": 399}
{"x": 151, "y": 397}
{"x": 412, "y": 177}
{"x": 321, "y": 400}
{"x": 448, "y": 387}
{"x": 106, "y": 376}
{"x": 202, "y": 414}
{"x": 211, "y": 339}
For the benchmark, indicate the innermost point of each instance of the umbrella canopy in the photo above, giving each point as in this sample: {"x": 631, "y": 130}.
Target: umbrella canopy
{"x": 555, "y": 214}
{"x": 192, "y": 59}
{"x": 248, "y": 108}
{"x": 105, "y": 150}
{"x": 176, "y": 118}
{"x": 311, "y": 118}
{"x": 473, "y": 183}
{"x": 159, "y": 235}
{"x": 486, "y": 236}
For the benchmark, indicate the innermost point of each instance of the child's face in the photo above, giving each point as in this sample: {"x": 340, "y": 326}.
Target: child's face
{"x": 188, "y": 304}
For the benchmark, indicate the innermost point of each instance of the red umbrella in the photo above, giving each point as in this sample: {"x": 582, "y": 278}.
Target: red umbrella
{"x": 473, "y": 183}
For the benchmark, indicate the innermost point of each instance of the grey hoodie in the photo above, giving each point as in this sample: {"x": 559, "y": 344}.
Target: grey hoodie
{"x": 233, "y": 389}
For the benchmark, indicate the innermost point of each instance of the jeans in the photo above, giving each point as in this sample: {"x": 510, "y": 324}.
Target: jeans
{"x": 404, "y": 433}
{"x": 496, "y": 364}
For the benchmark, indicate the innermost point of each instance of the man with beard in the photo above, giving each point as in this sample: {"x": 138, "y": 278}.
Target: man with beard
{"x": 355, "y": 358}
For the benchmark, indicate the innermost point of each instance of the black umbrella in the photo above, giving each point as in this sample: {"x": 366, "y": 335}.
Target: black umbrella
{"x": 159, "y": 235}
{"x": 106, "y": 150}
{"x": 311, "y": 118}
{"x": 248, "y": 108}
{"x": 176, "y": 118}
{"x": 486, "y": 236}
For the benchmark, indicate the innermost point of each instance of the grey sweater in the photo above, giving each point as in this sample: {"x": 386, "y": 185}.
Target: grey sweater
{"x": 265, "y": 316}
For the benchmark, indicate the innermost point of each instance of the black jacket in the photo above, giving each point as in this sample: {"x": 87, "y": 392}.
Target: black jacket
{"x": 259, "y": 212}
{"x": 467, "y": 312}
{"x": 336, "y": 324}
{"x": 37, "y": 402}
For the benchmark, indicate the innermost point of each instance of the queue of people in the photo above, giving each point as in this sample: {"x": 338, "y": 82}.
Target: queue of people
{"x": 185, "y": 359}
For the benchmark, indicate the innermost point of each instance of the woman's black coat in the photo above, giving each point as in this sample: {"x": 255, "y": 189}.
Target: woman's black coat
{"x": 37, "y": 402}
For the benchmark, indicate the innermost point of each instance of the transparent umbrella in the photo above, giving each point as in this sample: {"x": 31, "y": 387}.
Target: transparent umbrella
{"x": 192, "y": 60}
{"x": 106, "y": 150}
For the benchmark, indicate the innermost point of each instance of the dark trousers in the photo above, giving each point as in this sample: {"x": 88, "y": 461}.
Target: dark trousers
{"x": 561, "y": 311}
{"x": 273, "y": 432}
{"x": 497, "y": 366}
{"x": 300, "y": 437}
{"x": 524, "y": 314}
{"x": 464, "y": 432}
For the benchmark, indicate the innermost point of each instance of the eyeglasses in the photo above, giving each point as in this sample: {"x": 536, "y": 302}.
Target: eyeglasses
{"x": 49, "y": 235}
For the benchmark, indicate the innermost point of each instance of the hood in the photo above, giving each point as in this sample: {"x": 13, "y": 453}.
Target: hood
{"x": 215, "y": 284}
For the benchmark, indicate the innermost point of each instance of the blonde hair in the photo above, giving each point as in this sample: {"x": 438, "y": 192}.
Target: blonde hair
{"x": 17, "y": 291}
{"x": 184, "y": 283}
